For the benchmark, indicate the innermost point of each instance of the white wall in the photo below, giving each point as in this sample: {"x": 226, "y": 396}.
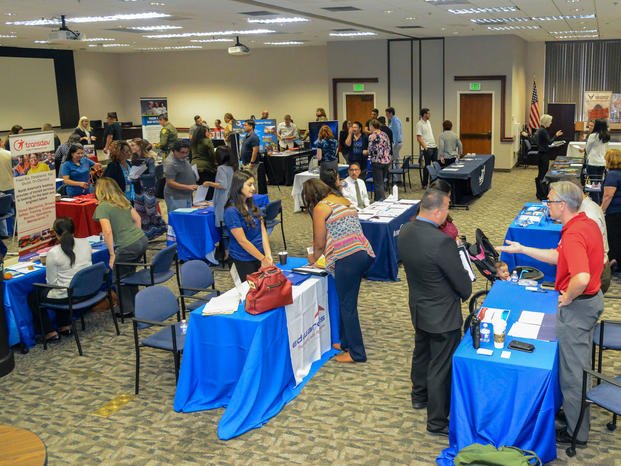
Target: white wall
{"x": 535, "y": 69}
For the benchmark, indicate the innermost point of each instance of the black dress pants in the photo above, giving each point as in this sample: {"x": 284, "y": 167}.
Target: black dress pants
{"x": 543, "y": 163}
{"x": 40, "y": 315}
{"x": 613, "y": 227}
{"x": 430, "y": 155}
{"x": 431, "y": 373}
{"x": 245, "y": 268}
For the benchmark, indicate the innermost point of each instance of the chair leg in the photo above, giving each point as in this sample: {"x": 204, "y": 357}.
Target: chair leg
{"x": 177, "y": 357}
{"x": 137, "y": 387}
{"x": 282, "y": 230}
{"x": 43, "y": 330}
{"x": 120, "y": 296}
{"x": 593, "y": 349}
{"x": 613, "y": 424}
{"x": 116, "y": 323}
{"x": 599, "y": 359}
{"x": 82, "y": 320}
{"x": 76, "y": 337}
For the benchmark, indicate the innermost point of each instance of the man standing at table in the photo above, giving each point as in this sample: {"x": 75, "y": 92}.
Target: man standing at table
{"x": 578, "y": 258}
{"x": 437, "y": 284}
{"x": 354, "y": 189}
{"x": 394, "y": 123}
{"x": 250, "y": 148}
{"x": 424, "y": 136}
{"x": 180, "y": 178}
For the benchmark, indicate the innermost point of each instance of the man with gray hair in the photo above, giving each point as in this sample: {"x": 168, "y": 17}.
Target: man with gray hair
{"x": 578, "y": 258}
{"x": 437, "y": 284}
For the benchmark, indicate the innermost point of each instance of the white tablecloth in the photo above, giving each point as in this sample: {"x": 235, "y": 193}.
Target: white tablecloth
{"x": 576, "y": 149}
{"x": 298, "y": 181}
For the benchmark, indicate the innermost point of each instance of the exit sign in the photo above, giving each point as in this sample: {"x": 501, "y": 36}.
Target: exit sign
{"x": 475, "y": 86}
{"x": 358, "y": 87}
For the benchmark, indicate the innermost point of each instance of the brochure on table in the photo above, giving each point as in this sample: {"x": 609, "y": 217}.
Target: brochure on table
{"x": 150, "y": 110}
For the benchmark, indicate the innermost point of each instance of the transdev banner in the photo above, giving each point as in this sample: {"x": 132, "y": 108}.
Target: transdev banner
{"x": 308, "y": 324}
{"x": 596, "y": 105}
{"x": 150, "y": 110}
{"x": 35, "y": 188}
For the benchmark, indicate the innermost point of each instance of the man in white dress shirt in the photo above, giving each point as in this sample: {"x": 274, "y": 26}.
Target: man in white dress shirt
{"x": 428, "y": 146}
{"x": 287, "y": 133}
{"x": 354, "y": 188}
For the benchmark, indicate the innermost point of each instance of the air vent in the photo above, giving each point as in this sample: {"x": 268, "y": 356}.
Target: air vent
{"x": 344, "y": 30}
{"x": 409, "y": 27}
{"x": 448, "y": 2}
{"x": 341, "y": 8}
{"x": 257, "y": 13}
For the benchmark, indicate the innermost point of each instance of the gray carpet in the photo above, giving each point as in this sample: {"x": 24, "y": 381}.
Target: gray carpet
{"x": 347, "y": 414}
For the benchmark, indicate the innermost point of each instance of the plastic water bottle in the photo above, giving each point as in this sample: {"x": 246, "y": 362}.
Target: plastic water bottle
{"x": 514, "y": 277}
{"x": 395, "y": 192}
{"x": 486, "y": 333}
{"x": 183, "y": 326}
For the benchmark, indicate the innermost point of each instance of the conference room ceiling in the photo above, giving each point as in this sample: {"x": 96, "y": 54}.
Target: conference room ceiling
{"x": 211, "y": 24}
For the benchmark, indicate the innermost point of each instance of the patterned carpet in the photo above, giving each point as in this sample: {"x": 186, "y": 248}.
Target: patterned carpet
{"x": 347, "y": 414}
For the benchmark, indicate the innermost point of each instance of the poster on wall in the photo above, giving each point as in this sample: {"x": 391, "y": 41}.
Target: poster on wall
{"x": 150, "y": 110}
{"x": 35, "y": 189}
{"x": 615, "y": 109}
{"x": 596, "y": 105}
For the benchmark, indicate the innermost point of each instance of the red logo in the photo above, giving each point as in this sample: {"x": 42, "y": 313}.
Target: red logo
{"x": 19, "y": 144}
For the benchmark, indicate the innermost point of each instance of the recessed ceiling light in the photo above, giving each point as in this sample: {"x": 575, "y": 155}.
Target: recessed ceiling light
{"x": 410, "y": 18}
{"x": 9, "y": 14}
{"x": 7, "y": 36}
{"x": 97, "y": 39}
{"x": 157, "y": 4}
{"x": 285, "y": 42}
{"x": 563, "y": 17}
{"x": 90, "y": 19}
{"x": 499, "y": 20}
{"x": 591, "y": 36}
{"x": 474, "y": 11}
{"x": 206, "y": 41}
{"x": 388, "y": 12}
{"x": 206, "y": 34}
{"x": 171, "y": 47}
{"x": 162, "y": 27}
{"x": 278, "y": 20}
{"x": 352, "y": 34}
{"x": 511, "y": 28}
{"x": 109, "y": 45}
{"x": 582, "y": 31}
{"x": 41, "y": 41}
{"x": 535, "y": 18}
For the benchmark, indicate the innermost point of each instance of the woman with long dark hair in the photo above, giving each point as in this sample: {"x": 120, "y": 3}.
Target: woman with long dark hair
{"x": 118, "y": 169}
{"x": 344, "y": 149}
{"x": 204, "y": 157}
{"x": 596, "y": 147}
{"x": 63, "y": 261}
{"x": 327, "y": 149}
{"x": 249, "y": 245}
{"x": 76, "y": 171}
{"x": 227, "y": 166}
{"x": 338, "y": 236}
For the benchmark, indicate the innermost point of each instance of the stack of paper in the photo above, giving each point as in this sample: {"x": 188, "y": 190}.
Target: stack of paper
{"x": 534, "y": 325}
{"x": 226, "y": 303}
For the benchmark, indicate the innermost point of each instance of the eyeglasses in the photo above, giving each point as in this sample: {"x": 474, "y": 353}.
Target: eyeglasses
{"x": 548, "y": 201}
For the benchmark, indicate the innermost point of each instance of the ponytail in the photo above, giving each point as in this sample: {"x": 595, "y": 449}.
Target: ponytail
{"x": 64, "y": 228}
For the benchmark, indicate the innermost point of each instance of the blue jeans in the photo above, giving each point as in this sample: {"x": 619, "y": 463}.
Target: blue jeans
{"x": 3, "y": 228}
{"x": 348, "y": 274}
{"x": 173, "y": 203}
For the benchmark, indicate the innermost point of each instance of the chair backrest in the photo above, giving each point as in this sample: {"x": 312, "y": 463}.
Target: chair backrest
{"x": 406, "y": 162}
{"x": 195, "y": 274}
{"x": 163, "y": 260}
{"x": 272, "y": 209}
{"x": 433, "y": 169}
{"x": 5, "y": 204}
{"x": 88, "y": 281}
{"x": 156, "y": 303}
{"x": 527, "y": 144}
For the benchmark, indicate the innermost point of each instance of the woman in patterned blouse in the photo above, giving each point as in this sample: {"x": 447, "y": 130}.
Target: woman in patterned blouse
{"x": 338, "y": 236}
{"x": 379, "y": 153}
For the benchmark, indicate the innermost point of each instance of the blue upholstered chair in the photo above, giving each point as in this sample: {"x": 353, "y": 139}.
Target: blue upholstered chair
{"x": 272, "y": 211}
{"x": 196, "y": 278}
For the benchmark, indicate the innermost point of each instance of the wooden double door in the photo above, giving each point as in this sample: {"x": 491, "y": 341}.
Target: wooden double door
{"x": 475, "y": 122}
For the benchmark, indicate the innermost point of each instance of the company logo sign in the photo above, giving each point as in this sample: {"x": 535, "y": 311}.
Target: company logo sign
{"x": 22, "y": 144}
{"x": 482, "y": 176}
{"x": 319, "y": 321}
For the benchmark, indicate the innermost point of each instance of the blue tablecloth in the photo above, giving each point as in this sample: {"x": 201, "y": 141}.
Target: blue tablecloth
{"x": 383, "y": 238}
{"x": 506, "y": 401}
{"x": 243, "y": 362}
{"x": 471, "y": 180}
{"x": 196, "y": 232}
{"x": 545, "y": 235}
{"x": 17, "y": 311}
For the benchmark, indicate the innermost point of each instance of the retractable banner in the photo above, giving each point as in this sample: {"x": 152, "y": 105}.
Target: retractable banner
{"x": 35, "y": 188}
{"x": 596, "y": 105}
{"x": 150, "y": 110}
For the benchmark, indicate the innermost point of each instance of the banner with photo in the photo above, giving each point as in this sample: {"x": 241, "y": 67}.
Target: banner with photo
{"x": 150, "y": 110}
{"x": 596, "y": 105}
{"x": 615, "y": 109}
{"x": 35, "y": 188}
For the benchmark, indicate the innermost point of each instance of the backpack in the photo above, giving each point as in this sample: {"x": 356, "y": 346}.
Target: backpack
{"x": 488, "y": 455}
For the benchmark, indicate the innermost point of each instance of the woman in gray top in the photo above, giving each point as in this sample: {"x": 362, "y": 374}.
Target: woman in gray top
{"x": 449, "y": 145}
{"x": 227, "y": 166}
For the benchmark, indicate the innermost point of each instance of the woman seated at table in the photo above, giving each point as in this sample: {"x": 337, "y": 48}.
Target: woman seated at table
{"x": 122, "y": 233}
{"x": 249, "y": 244}
{"x": 76, "y": 171}
{"x": 118, "y": 169}
{"x": 338, "y": 236}
{"x": 63, "y": 261}
{"x": 145, "y": 202}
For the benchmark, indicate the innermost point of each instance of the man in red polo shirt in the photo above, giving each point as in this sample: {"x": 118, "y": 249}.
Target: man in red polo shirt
{"x": 579, "y": 265}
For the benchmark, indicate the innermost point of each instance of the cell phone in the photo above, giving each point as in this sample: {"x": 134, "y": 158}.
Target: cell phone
{"x": 521, "y": 346}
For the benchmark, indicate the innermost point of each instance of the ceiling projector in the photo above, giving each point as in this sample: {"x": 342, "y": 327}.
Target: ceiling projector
{"x": 239, "y": 49}
{"x": 64, "y": 34}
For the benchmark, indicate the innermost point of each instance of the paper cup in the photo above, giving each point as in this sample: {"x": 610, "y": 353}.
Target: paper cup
{"x": 282, "y": 256}
{"x": 43, "y": 258}
{"x": 500, "y": 327}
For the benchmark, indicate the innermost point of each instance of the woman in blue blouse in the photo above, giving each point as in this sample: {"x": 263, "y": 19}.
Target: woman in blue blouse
{"x": 76, "y": 171}
{"x": 118, "y": 168}
{"x": 249, "y": 245}
{"x": 327, "y": 149}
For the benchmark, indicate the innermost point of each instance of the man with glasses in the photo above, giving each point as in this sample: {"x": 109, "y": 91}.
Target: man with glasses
{"x": 578, "y": 258}
{"x": 354, "y": 189}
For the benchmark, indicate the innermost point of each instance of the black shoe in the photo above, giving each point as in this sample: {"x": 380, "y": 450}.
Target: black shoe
{"x": 563, "y": 437}
{"x": 66, "y": 333}
{"x": 441, "y": 431}
{"x": 419, "y": 404}
{"x": 54, "y": 339}
{"x": 560, "y": 422}
{"x": 127, "y": 315}
{"x": 4, "y": 237}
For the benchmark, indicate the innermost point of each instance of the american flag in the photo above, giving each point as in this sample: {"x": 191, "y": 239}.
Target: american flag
{"x": 533, "y": 116}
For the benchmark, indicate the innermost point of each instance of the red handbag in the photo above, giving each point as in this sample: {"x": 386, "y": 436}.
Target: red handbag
{"x": 269, "y": 289}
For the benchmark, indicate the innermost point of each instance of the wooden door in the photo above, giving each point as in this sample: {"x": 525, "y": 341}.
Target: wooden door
{"x": 475, "y": 123}
{"x": 358, "y": 107}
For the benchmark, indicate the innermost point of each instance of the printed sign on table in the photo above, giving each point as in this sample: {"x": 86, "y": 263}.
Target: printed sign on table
{"x": 596, "y": 105}
{"x": 35, "y": 188}
{"x": 150, "y": 110}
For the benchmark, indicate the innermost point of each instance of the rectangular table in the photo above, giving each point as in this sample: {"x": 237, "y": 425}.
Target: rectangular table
{"x": 281, "y": 167}
{"x": 16, "y": 309}
{"x": 469, "y": 177}
{"x": 383, "y": 239}
{"x": 81, "y": 211}
{"x": 195, "y": 232}
{"x": 300, "y": 178}
{"x": 242, "y": 362}
{"x": 576, "y": 148}
{"x": 565, "y": 168}
{"x": 506, "y": 401}
{"x": 544, "y": 235}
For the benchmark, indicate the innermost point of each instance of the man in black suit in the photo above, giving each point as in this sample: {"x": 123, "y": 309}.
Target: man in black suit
{"x": 437, "y": 283}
